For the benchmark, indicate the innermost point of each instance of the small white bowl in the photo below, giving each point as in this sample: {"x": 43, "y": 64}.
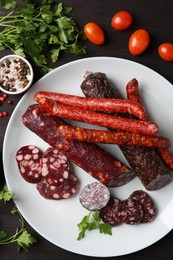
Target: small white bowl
{"x": 14, "y": 79}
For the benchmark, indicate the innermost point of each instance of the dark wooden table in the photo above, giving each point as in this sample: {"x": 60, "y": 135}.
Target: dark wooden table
{"x": 157, "y": 18}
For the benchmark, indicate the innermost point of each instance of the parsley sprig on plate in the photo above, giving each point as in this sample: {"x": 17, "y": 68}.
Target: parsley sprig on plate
{"x": 23, "y": 239}
{"x": 31, "y": 31}
{"x": 93, "y": 221}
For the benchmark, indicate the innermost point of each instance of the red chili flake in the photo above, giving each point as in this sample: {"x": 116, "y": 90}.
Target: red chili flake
{"x": 5, "y": 113}
{"x": 10, "y": 102}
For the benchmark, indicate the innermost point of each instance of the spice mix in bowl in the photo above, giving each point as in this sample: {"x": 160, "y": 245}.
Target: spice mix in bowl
{"x": 16, "y": 74}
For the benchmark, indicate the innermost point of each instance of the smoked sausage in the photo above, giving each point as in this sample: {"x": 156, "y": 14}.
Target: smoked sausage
{"x": 104, "y": 104}
{"x": 132, "y": 91}
{"x": 90, "y": 157}
{"x": 108, "y": 137}
{"x": 110, "y": 121}
{"x": 144, "y": 161}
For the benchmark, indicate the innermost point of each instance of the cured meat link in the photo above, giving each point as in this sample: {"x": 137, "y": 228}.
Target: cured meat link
{"x": 28, "y": 160}
{"x": 93, "y": 159}
{"x": 95, "y": 118}
{"x": 104, "y": 104}
{"x": 144, "y": 161}
{"x": 133, "y": 94}
{"x": 108, "y": 137}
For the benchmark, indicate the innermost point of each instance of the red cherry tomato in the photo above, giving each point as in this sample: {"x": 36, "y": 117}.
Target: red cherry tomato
{"x": 139, "y": 41}
{"x": 94, "y": 33}
{"x": 165, "y": 51}
{"x": 121, "y": 20}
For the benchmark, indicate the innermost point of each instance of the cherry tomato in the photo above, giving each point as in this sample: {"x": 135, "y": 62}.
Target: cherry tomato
{"x": 121, "y": 20}
{"x": 94, "y": 33}
{"x": 165, "y": 51}
{"x": 139, "y": 41}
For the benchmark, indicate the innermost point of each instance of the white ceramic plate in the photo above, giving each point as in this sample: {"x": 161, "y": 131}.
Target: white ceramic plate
{"x": 57, "y": 220}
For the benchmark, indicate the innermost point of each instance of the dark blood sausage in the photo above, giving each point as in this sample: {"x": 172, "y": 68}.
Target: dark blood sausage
{"x": 101, "y": 119}
{"x": 130, "y": 211}
{"x": 108, "y": 137}
{"x": 144, "y": 161}
{"x": 90, "y": 157}
{"x": 55, "y": 167}
{"x": 28, "y": 160}
{"x": 147, "y": 203}
{"x": 110, "y": 213}
{"x": 94, "y": 196}
{"x": 105, "y": 105}
{"x": 64, "y": 191}
{"x": 133, "y": 94}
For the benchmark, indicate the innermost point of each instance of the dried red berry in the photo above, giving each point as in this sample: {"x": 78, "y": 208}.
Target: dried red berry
{"x": 2, "y": 98}
{"x": 5, "y": 113}
{"x": 5, "y": 95}
{"x": 10, "y": 102}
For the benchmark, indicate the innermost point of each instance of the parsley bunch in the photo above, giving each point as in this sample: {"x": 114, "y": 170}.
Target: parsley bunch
{"x": 21, "y": 237}
{"x": 29, "y": 30}
{"x": 93, "y": 221}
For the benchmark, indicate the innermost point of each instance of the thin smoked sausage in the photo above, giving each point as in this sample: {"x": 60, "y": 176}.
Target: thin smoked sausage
{"x": 104, "y": 104}
{"x": 114, "y": 122}
{"x": 108, "y": 137}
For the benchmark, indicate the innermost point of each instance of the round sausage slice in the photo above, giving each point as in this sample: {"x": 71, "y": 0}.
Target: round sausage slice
{"x": 94, "y": 196}
{"x": 147, "y": 203}
{"x": 130, "y": 211}
{"x": 55, "y": 167}
{"x": 28, "y": 160}
{"x": 66, "y": 190}
{"x": 110, "y": 213}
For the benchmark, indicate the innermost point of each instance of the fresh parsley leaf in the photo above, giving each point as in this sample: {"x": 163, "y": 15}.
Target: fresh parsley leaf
{"x": 92, "y": 221}
{"x": 5, "y": 194}
{"x": 28, "y": 30}
{"x": 3, "y": 234}
{"x": 8, "y": 4}
{"x": 23, "y": 239}
{"x": 105, "y": 229}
